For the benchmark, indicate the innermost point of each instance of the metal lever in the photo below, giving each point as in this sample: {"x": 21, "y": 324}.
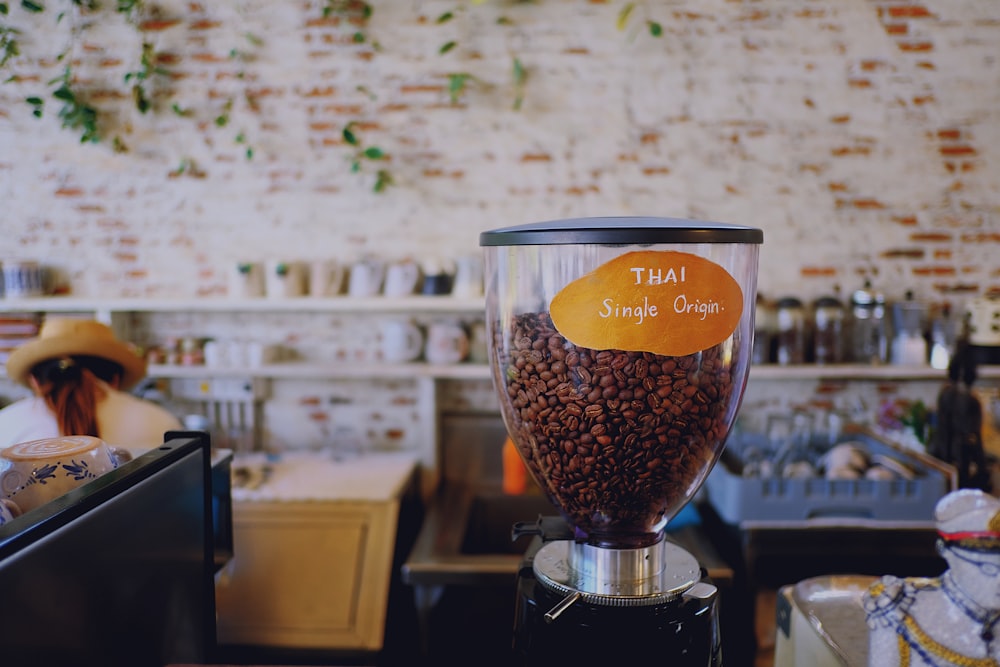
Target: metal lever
{"x": 564, "y": 604}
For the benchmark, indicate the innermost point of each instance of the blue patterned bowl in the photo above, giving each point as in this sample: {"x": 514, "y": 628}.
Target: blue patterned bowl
{"x": 33, "y": 473}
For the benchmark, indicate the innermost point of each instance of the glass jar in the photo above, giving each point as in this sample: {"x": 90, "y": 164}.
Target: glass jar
{"x": 764, "y": 330}
{"x": 869, "y": 329}
{"x": 620, "y": 348}
{"x": 791, "y": 331}
{"x": 828, "y": 330}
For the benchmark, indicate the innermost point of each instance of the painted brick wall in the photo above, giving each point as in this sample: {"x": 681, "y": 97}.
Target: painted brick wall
{"x": 861, "y": 135}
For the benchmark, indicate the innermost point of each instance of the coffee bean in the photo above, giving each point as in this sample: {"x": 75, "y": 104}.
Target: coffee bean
{"x": 617, "y": 438}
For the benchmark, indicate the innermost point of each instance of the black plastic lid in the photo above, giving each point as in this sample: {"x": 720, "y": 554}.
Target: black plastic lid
{"x": 620, "y": 231}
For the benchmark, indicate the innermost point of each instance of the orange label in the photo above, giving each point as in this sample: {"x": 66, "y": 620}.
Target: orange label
{"x": 659, "y": 301}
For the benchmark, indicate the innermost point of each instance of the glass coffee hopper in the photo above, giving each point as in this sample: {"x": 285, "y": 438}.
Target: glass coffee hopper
{"x": 620, "y": 349}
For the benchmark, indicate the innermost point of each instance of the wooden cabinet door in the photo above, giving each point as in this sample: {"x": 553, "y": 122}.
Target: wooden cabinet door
{"x": 307, "y": 575}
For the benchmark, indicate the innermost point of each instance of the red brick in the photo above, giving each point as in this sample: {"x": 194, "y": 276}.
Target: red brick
{"x": 915, "y": 47}
{"x": 908, "y": 253}
{"x": 160, "y": 25}
{"x": 818, "y": 271}
{"x": 957, "y": 150}
{"x": 934, "y": 271}
{"x": 931, "y": 237}
{"x": 204, "y": 24}
{"x": 909, "y": 11}
{"x": 536, "y": 157}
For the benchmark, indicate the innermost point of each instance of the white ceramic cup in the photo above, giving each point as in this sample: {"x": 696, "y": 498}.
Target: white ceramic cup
{"x": 325, "y": 277}
{"x": 284, "y": 279}
{"x": 478, "y": 349}
{"x": 468, "y": 281}
{"x": 447, "y": 343}
{"x": 246, "y": 280}
{"x": 402, "y": 341}
{"x": 33, "y": 473}
{"x": 401, "y": 278}
{"x": 366, "y": 277}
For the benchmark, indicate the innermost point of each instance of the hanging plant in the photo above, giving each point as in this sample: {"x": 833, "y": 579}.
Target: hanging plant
{"x": 654, "y": 28}
{"x": 363, "y": 153}
{"x": 458, "y": 82}
{"x": 75, "y": 112}
{"x": 353, "y": 11}
{"x": 140, "y": 77}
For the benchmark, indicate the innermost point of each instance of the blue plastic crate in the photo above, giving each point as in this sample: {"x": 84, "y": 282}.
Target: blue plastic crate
{"x": 737, "y": 498}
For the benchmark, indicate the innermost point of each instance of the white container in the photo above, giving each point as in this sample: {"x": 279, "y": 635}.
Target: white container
{"x": 402, "y": 341}
{"x": 284, "y": 279}
{"x": 325, "y": 277}
{"x": 401, "y": 278}
{"x": 447, "y": 343}
{"x": 246, "y": 280}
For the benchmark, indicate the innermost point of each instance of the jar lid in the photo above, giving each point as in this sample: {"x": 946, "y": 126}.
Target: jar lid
{"x": 866, "y": 296}
{"x": 828, "y": 302}
{"x": 789, "y": 303}
{"x": 620, "y": 231}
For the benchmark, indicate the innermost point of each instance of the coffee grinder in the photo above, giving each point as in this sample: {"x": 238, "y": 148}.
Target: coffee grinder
{"x": 620, "y": 349}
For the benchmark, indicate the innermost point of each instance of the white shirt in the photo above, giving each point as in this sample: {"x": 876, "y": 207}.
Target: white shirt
{"x": 123, "y": 420}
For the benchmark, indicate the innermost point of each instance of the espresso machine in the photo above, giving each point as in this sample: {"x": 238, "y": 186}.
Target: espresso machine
{"x": 620, "y": 349}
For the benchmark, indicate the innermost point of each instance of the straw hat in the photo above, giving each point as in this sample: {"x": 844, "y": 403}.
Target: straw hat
{"x": 68, "y": 336}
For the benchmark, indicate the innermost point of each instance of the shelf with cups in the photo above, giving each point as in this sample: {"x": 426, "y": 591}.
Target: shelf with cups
{"x": 333, "y": 370}
{"x": 858, "y": 372}
{"x": 104, "y": 308}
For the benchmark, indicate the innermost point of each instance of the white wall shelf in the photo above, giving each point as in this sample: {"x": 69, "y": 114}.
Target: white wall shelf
{"x": 334, "y": 370}
{"x": 341, "y": 304}
{"x": 858, "y": 372}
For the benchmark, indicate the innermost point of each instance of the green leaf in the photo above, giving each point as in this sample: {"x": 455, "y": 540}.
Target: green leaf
{"x": 446, "y": 47}
{"x": 63, "y": 93}
{"x": 382, "y": 179}
{"x": 3, "y": 8}
{"x": 358, "y": 38}
{"x": 519, "y": 73}
{"x": 350, "y": 137}
{"x": 655, "y": 29}
{"x": 444, "y": 18}
{"x": 30, "y": 6}
{"x": 373, "y": 153}
{"x": 35, "y": 101}
{"x": 624, "y": 15}
{"x": 456, "y": 85}
{"x": 249, "y": 152}
{"x": 221, "y": 121}
{"x": 141, "y": 101}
